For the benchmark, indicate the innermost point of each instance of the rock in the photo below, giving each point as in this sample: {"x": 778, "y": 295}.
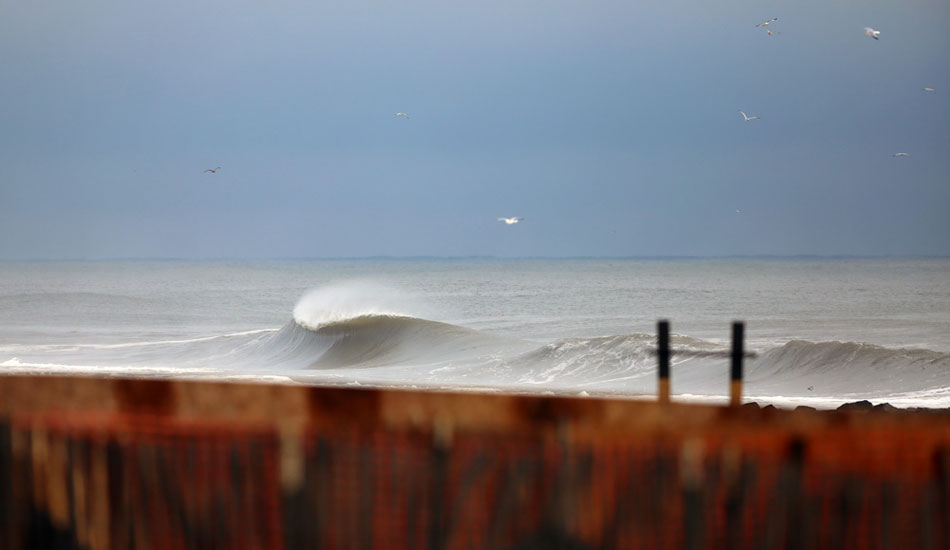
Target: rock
{"x": 862, "y": 405}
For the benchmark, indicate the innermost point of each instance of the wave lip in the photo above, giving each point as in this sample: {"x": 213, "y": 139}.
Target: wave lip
{"x": 342, "y": 302}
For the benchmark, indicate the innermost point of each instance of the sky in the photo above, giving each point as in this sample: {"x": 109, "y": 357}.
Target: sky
{"x": 611, "y": 127}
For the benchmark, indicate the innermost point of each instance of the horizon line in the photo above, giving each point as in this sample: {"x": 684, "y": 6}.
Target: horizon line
{"x": 482, "y": 257}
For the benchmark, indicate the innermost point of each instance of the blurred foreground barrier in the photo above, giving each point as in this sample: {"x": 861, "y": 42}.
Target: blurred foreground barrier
{"x": 105, "y": 463}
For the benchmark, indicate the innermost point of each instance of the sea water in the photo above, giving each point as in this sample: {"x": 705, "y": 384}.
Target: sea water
{"x": 824, "y": 331}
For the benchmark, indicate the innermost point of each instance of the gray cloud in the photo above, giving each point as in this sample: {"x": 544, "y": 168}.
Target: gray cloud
{"x": 612, "y": 128}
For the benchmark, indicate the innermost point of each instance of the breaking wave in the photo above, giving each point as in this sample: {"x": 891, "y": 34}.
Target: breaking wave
{"x": 851, "y": 367}
{"x": 601, "y": 359}
{"x": 371, "y": 341}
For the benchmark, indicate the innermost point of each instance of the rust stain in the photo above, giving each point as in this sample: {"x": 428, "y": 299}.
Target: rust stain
{"x": 330, "y": 406}
{"x": 550, "y": 411}
{"x": 145, "y": 396}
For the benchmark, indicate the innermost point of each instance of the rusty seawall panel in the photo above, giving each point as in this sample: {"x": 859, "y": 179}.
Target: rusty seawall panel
{"x": 121, "y": 463}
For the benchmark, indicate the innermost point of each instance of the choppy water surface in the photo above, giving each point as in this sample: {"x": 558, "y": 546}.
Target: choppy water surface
{"x": 826, "y": 331}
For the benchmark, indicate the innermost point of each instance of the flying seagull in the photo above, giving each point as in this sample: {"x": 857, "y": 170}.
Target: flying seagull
{"x": 213, "y": 170}
{"x": 747, "y": 117}
{"x": 868, "y": 31}
{"x": 510, "y": 221}
{"x": 765, "y": 25}
{"x": 901, "y": 154}
{"x": 931, "y": 90}
{"x": 403, "y": 115}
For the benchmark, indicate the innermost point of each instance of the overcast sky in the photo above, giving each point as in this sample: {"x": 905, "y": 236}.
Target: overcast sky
{"x": 611, "y": 127}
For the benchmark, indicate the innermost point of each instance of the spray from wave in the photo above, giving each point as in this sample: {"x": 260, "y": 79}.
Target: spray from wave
{"x": 342, "y": 301}
{"x": 364, "y": 324}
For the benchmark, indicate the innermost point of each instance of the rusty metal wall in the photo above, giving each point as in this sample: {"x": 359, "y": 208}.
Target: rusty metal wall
{"x": 137, "y": 468}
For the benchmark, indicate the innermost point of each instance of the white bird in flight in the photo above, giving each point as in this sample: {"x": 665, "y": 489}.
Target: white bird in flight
{"x": 868, "y": 31}
{"x": 931, "y": 90}
{"x": 765, "y": 25}
{"x": 213, "y": 170}
{"x": 403, "y": 115}
{"x": 510, "y": 221}
{"x": 747, "y": 117}
{"x": 901, "y": 154}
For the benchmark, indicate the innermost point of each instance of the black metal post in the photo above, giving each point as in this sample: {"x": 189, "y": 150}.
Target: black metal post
{"x": 663, "y": 356}
{"x": 735, "y": 374}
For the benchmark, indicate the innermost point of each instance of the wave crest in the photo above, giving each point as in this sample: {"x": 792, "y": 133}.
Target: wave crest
{"x": 341, "y": 302}
{"x": 851, "y": 367}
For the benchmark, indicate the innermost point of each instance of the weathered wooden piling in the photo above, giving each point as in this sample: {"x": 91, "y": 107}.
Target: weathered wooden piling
{"x": 735, "y": 370}
{"x": 663, "y": 360}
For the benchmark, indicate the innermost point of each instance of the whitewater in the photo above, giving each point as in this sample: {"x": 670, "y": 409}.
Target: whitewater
{"x": 824, "y": 331}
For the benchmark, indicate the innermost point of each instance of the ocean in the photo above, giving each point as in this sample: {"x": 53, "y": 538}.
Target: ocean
{"x": 824, "y": 331}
